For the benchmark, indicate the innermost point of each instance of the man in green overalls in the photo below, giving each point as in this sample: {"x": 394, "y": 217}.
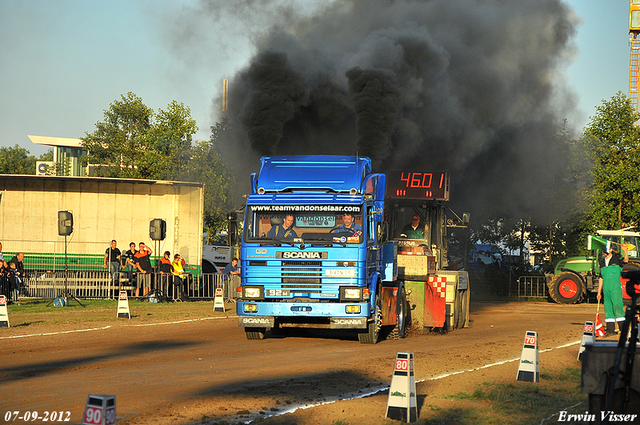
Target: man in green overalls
{"x": 610, "y": 273}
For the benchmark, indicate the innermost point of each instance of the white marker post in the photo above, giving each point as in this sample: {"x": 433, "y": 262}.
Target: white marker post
{"x": 589, "y": 336}
{"x": 4, "y": 313}
{"x": 123, "y": 306}
{"x": 529, "y": 369}
{"x": 218, "y": 302}
{"x": 401, "y": 404}
{"x": 100, "y": 410}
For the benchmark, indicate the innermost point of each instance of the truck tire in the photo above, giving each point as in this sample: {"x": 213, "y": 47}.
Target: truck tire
{"x": 255, "y": 333}
{"x": 371, "y": 335}
{"x": 400, "y": 329}
{"x": 566, "y": 288}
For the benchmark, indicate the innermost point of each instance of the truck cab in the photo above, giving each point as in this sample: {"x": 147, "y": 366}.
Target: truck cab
{"x": 314, "y": 249}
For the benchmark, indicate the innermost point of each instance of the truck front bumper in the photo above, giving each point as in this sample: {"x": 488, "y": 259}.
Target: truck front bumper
{"x": 264, "y": 314}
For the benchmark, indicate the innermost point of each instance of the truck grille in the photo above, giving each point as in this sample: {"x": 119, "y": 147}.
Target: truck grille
{"x": 301, "y": 280}
{"x": 290, "y": 263}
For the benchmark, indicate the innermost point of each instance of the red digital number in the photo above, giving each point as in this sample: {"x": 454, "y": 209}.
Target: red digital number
{"x": 530, "y": 340}
{"x": 402, "y": 177}
{"x": 424, "y": 177}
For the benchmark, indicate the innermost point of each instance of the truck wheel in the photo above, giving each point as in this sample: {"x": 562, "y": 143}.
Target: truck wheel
{"x": 255, "y": 333}
{"x": 566, "y": 288}
{"x": 373, "y": 328}
{"x": 400, "y": 329}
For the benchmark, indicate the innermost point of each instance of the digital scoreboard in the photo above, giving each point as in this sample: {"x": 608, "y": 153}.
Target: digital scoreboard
{"x": 418, "y": 185}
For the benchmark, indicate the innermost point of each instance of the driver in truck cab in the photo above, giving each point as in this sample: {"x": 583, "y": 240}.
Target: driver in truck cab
{"x": 413, "y": 230}
{"x": 349, "y": 223}
{"x": 283, "y": 230}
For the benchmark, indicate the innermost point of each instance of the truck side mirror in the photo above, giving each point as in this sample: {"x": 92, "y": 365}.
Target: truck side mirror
{"x": 233, "y": 228}
{"x": 382, "y": 233}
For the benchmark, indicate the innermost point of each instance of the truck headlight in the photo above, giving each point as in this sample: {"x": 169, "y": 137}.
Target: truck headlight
{"x": 253, "y": 292}
{"x": 350, "y": 293}
{"x": 353, "y": 309}
{"x": 250, "y": 308}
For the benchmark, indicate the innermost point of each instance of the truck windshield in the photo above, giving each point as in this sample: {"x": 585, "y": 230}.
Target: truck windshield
{"x": 272, "y": 224}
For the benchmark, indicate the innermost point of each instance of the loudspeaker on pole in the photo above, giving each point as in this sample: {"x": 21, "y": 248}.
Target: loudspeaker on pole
{"x": 588, "y": 336}
{"x": 4, "y": 313}
{"x": 157, "y": 229}
{"x": 100, "y": 410}
{"x": 123, "y": 306}
{"x": 401, "y": 404}
{"x": 529, "y": 366}
{"x": 65, "y": 223}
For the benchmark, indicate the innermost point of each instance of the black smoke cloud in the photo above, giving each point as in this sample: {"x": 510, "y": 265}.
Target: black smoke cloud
{"x": 470, "y": 86}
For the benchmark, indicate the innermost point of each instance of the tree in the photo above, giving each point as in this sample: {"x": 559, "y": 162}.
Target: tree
{"x": 206, "y": 166}
{"x": 134, "y": 142}
{"x": 16, "y": 160}
{"x": 612, "y": 139}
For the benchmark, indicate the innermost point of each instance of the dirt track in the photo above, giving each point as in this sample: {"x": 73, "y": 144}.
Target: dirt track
{"x": 205, "y": 371}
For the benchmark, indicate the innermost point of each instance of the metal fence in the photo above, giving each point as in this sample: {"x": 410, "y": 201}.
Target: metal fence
{"x": 532, "y": 287}
{"x": 101, "y": 285}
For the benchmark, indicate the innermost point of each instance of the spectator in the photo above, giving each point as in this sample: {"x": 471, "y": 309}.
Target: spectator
{"x": 232, "y": 271}
{"x": 177, "y": 269}
{"x": 16, "y": 272}
{"x": 143, "y": 265}
{"x": 165, "y": 272}
{"x": 4, "y": 282}
{"x": 112, "y": 255}
{"x": 165, "y": 263}
{"x": 130, "y": 261}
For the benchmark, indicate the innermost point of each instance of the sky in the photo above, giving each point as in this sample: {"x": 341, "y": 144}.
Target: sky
{"x": 63, "y": 62}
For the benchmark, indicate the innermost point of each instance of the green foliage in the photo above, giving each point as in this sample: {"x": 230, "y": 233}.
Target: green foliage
{"x": 16, "y": 160}
{"x": 133, "y": 141}
{"x": 611, "y": 139}
{"x": 523, "y": 403}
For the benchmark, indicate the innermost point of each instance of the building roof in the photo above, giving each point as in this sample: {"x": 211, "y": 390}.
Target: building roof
{"x": 56, "y": 141}
{"x": 96, "y": 179}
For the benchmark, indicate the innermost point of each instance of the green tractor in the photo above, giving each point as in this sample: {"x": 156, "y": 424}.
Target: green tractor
{"x": 576, "y": 278}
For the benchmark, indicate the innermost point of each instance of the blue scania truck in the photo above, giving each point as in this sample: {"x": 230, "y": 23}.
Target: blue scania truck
{"x": 316, "y": 250}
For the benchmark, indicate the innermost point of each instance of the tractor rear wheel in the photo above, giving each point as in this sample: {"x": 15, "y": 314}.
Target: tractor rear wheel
{"x": 566, "y": 288}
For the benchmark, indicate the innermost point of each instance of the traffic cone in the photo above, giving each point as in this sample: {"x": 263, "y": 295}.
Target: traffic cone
{"x": 587, "y": 336}
{"x": 401, "y": 404}
{"x": 4, "y": 314}
{"x": 123, "y": 306}
{"x": 529, "y": 366}
{"x": 100, "y": 410}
